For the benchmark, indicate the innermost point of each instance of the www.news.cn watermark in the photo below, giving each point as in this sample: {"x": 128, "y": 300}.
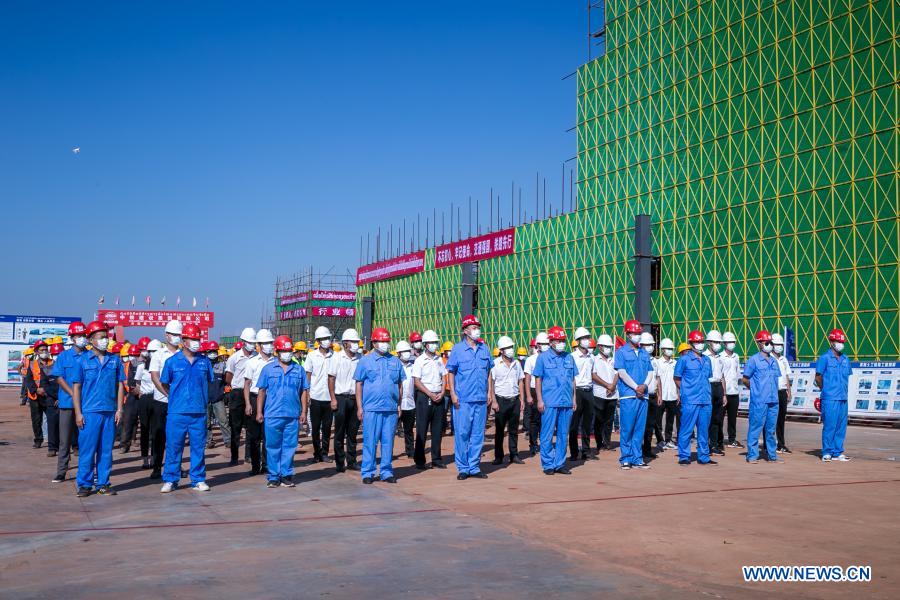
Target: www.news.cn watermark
{"x": 808, "y": 573}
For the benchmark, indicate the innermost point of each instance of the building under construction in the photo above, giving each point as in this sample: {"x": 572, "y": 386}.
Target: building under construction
{"x": 307, "y": 299}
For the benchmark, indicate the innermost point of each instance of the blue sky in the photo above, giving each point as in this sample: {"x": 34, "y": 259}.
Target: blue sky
{"x": 225, "y": 143}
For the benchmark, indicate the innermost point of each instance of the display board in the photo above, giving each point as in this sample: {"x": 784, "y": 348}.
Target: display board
{"x": 27, "y": 329}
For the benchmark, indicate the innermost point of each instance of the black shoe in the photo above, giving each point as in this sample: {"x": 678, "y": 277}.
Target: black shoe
{"x": 409, "y": 455}
{"x": 155, "y": 474}
{"x": 549, "y": 471}
{"x": 83, "y": 492}
{"x": 573, "y": 459}
{"x": 288, "y": 482}
{"x": 438, "y": 465}
{"x": 126, "y": 449}
{"x": 517, "y": 460}
{"x": 583, "y": 456}
{"x": 684, "y": 462}
{"x": 709, "y": 462}
{"x": 58, "y": 478}
{"x": 462, "y": 476}
{"x": 717, "y": 452}
{"x": 51, "y": 453}
{"x": 106, "y": 490}
{"x": 479, "y": 475}
{"x": 497, "y": 461}
{"x": 353, "y": 467}
{"x": 233, "y": 462}
{"x": 327, "y": 459}
{"x": 146, "y": 464}
{"x": 367, "y": 480}
{"x": 184, "y": 473}
{"x": 37, "y": 445}
{"x": 273, "y": 483}
{"x": 390, "y": 479}
{"x": 564, "y": 471}
{"x": 786, "y": 450}
{"x": 422, "y": 467}
{"x": 532, "y": 450}
{"x": 340, "y": 468}
{"x": 254, "y": 472}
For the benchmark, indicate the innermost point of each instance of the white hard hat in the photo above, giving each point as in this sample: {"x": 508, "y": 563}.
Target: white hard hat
{"x": 402, "y": 346}
{"x": 581, "y": 332}
{"x": 350, "y": 335}
{"x": 729, "y": 337}
{"x": 605, "y": 340}
{"x": 322, "y": 333}
{"x": 264, "y": 336}
{"x": 430, "y": 336}
{"x": 542, "y": 338}
{"x": 713, "y": 336}
{"x": 777, "y": 339}
{"x": 154, "y": 345}
{"x": 174, "y": 327}
{"x": 248, "y": 334}
{"x": 647, "y": 338}
{"x": 505, "y": 342}
{"x": 666, "y": 343}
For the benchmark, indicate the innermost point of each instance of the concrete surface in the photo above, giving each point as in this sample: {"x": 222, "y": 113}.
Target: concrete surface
{"x": 669, "y": 532}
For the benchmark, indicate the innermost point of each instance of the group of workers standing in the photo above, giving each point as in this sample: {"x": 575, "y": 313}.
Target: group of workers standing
{"x": 563, "y": 391}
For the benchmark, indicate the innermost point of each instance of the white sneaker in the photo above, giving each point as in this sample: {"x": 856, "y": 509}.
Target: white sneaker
{"x": 167, "y": 487}
{"x": 200, "y": 487}
{"x": 842, "y": 458}
{"x": 826, "y": 458}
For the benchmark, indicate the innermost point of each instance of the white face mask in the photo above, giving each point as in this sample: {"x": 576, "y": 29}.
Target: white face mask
{"x": 729, "y": 346}
{"x": 249, "y": 348}
{"x": 716, "y": 347}
{"x": 352, "y": 348}
{"x": 267, "y": 348}
{"x": 648, "y": 348}
{"x": 382, "y": 347}
{"x": 509, "y": 352}
{"x": 43, "y": 355}
{"x": 101, "y": 344}
{"x": 779, "y": 349}
{"x": 838, "y": 347}
{"x": 559, "y": 346}
{"x": 474, "y": 333}
{"x": 668, "y": 351}
{"x": 543, "y": 347}
{"x": 174, "y": 339}
{"x": 585, "y": 343}
{"x": 286, "y": 356}
{"x": 211, "y": 355}
{"x": 404, "y": 356}
{"x": 635, "y": 338}
{"x": 767, "y": 348}
{"x": 417, "y": 345}
{"x": 431, "y": 348}
{"x": 326, "y": 343}
{"x": 144, "y": 354}
{"x": 698, "y": 346}
{"x": 605, "y": 350}
{"x": 192, "y": 345}
{"x": 80, "y": 341}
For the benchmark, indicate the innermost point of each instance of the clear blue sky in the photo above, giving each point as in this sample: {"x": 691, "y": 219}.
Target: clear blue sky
{"x": 224, "y": 143}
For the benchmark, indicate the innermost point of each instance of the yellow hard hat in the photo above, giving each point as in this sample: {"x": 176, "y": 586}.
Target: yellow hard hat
{"x": 316, "y": 344}
{"x": 55, "y": 340}
{"x": 521, "y": 351}
{"x": 230, "y": 351}
{"x": 361, "y": 345}
{"x": 301, "y": 345}
{"x": 124, "y": 351}
{"x": 393, "y": 353}
{"x": 683, "y": 346}
{"x": 446, "y": 347}
{"x": 222, "y": 351}
{"x": 574, "y": 343}
{"x": 495, "y": 352}
{"x": 28, "y": 351}
{"x": 336, "y": 347}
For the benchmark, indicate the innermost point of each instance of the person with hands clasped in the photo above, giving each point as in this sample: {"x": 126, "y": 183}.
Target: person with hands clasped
{"x": 555, "y": 372}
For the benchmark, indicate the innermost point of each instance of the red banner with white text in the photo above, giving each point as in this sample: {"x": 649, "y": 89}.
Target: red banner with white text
{"x": 393, "y": 267}
{"x": 483, "y": 247}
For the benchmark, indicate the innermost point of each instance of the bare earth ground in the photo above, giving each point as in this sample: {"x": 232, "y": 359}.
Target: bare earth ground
{"x": 669, "y": 532}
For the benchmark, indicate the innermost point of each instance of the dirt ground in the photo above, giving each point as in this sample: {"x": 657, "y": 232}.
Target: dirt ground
{"x": 668, "y": 532}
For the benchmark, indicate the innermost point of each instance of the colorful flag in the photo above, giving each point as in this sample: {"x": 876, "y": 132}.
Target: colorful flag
{"x": 147, "y": 300}
{"x": 117, "y": 300}
{"x": 194, "y": 302}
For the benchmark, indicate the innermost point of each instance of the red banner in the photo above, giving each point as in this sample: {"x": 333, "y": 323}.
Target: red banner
{"x": 317, "y": 311}
{"x": 297, "y": 313}
{"x": 394, "y": 267}
{"x": 336, "y": 295}
{"x": 284, "y": 300}
{"x": 483, "y": 247}
{"x": 154, "y": 318}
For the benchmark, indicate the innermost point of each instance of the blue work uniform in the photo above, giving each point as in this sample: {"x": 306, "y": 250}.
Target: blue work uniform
{"x": 188, "y": 399}
{"x": 380, "y": 375}
{"x": 835, "y": 372}
{"x": 281, "y": 414}
{"x": 470, "y": 367}
{"x": 694, "y": 371}
{"x": 632, "y": 410}
{"x": 556, "y": 374}
{"x": 762, "y": 371}
{"x": 99, "y": 378}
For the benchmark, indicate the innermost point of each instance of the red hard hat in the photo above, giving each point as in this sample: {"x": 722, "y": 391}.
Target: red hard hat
{"x": 76, "y": 328}
{"x": 93, "y": 327}
{"x": 284, "y": 343}
{"x": 556, "y": 334}
{"x": 696, "y": 336}
{"x": 470, "y": 320}
{"x": 381, "y": 335}
{"x": 56, "y": 349}
{"x": 143, "y": 343}
{"x": 134, "y": 350}
{"x": 837, "y": 335}
{"x": 818, "y": 404}
{"x": 415, "y": 336}
{"x": 190, "y": 330}
{"x": 117, "y": 347}
{"x": 238, "y": 345}
{"x": 204, "y": 347}
{"x": 39, "y": 343}
{"x": 533, "y": 343}
{"x": 592, "y": 343}
{"x": 632, "y": 326}
{"x": 763, "y": 336}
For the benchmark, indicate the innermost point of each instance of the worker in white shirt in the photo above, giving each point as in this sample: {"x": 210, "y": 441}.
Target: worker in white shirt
{"x": 605, "y": 392}
{"x": 667, "y": 391}
{"x": 234, "y": 388}
{"x": 265, "y": 343}
{"x": 506, "y": 395}
{"x": 542, "y": 344}
{"x": 580, "y": 427}
{"x": 428, "y": 374}
{"x": 717, "y": 385}
{"x": 654, "y": 402}
{"x": 145, "y": 381}
{"x": 342, "y": 388}
{"x": 159, "y": 407}
{"x": 731, "y": 372}
{"x": 784, "y": 391}
{"x": 407, "y": 399}
{"x": 320, "y": 414}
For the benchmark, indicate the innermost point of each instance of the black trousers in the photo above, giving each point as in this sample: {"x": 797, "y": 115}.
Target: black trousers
{"x": 67, "y": 437}
{"x": 717, "y": 419}
{"x": 346, "y": 428}
{"x": 732, "y": 410}
{"x": 650, "y": 426}
{"x": 137, "y": 412}
{"x": 320, "y": 416}
{"x": 158, "y": 412}
{"x": 45, "y": 405}
{"x": 673, "y": 417}
{"x": 429, "y": 416}
{"x": 506, "y": 421}
{"x": 580, "y": 426}
{"x": 238, "y": 420}
{"x": 533, "y": 416}
{"x": 408, "y": 421}
{"x": 782, "y": 413}
{"x": 604, "y": 414}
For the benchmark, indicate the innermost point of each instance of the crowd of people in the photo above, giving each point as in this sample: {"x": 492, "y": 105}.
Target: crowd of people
{"x": 562, "y": 393}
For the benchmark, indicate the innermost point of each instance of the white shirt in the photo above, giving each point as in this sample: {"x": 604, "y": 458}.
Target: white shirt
{"x": 235, "y": 365}
{"x": 342, "y": 368}
{"x": 157, "y": 361}
{"x": 530, "y": 363}
{"x": 252, "y": 369}
{"x": 407, "y": 400}
{"x": 785, "y": 372}
{"x": 430, "y": 371}
{"x": 731, "y": 370}
{"x": 143, "y": 375}
{"x": 317, "y": 367}
{"x": 603, "y": 367}
{"x": 584, "y": 363}
{"x": 651, "y": 387}
{"x": 506, "y": 378}
{"x": 665, "y": 368}
{"x": 716, "y": 360}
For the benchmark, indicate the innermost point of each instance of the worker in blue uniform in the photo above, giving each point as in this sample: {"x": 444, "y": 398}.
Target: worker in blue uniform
{"x": 555, "y": 372}
{"x": 379, "y": 383}
{"x": 833, "y": 378}
{"x": 467, "y": 376}
{"x": 632, "y": 363}
{"x": 63, "y": 369}
{"x": 692, "y": 373}
{"x": 761, "y": 375}
{"x": 281, "y": 406}
{"x": 98, "y": 395}
{"x": 185, "y": 377}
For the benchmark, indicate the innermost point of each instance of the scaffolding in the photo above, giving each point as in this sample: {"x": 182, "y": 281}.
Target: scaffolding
{"x": 309, "y": 299}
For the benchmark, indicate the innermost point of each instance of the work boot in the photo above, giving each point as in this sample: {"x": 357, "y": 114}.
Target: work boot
{"x": 288, "y": 482}
{"x": 83, "y": 492}
{"x": 107, "y": 490}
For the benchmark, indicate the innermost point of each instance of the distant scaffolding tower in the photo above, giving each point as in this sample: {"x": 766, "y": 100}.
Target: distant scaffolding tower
{"x": 306, "y": 300}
